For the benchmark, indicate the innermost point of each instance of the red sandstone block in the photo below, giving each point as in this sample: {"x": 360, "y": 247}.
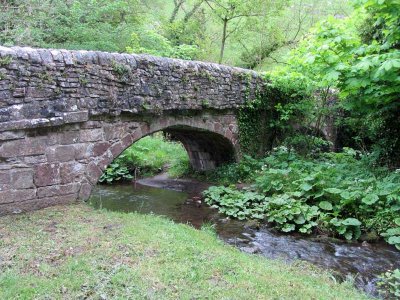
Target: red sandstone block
{"x": 12, "y": 196}
{"x": 58, "y": 190}
{"x": 22, "y": 178}
{"x": 100, "y": 148}
{"x": 93, "y": 173}
{"x": 82, "y": 151}
{"x": 91, "y": 135}
{"x": 47, "y": 174}
{"x": 105, "y": 160}
{"x": 75, "y": 117}
{"x": 71, "y": 171}
{"x": 61, "y": 153}
{"x": 24, "y": 147}
{"x": 116, "y": 149}
{"x": 127, "y": 140}
{"x": 85, "y": 191}
{"x": 137, "y": 134}
{"x": 35, "y": 204}
{"x": 5, "y": 177}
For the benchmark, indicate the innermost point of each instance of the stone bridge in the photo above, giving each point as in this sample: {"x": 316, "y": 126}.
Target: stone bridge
{"x": 65, "y": 115}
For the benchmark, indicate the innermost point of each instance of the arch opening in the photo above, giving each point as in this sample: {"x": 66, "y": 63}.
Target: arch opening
{"x": 207, "y": 150}
{"x": 203, "y": 149}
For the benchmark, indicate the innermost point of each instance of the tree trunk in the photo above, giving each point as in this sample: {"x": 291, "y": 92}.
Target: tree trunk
{"x": 175, "y": 11}
{"x": 221, "y": 55}
{"x": 192, "y": 11}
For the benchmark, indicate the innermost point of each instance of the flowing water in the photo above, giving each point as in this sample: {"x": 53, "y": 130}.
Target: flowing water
{"x": 180, "y": 200}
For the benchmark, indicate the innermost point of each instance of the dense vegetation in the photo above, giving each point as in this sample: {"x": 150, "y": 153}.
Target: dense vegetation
{"x": 337, "y": 194}
{"x": 147, "y": 157}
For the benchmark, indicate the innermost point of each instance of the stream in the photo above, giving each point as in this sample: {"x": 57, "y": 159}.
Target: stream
{"x": 180, "y": 200}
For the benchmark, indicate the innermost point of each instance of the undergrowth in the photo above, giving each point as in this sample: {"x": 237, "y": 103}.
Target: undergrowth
{"x": 338, "y": 194}
{"x": 147, "y": 157}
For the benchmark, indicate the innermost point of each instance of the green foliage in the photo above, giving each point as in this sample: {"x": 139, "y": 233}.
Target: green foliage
{"x": 256, "y": 31}
{"x": 389, "y": 284}
{"x": 267, "y": 120}
{"x": 6, "y": 60}
{"x": 290, "y": 214}
{"x": 243, "y": 171}
{"x": 338, "y": 192}
{"x": 147, "y": 157}
{"x": 123, "y": 71}
{"x": 115, "y": 172}
{"x": 392, "y": 235}
{"x": 234, "y": 203}
{"x": 359, "y": 57}
{"x": 151, "y": 42}
{"x": 84, "y": 24}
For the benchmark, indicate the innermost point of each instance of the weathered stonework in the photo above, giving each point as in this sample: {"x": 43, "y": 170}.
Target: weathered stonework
{"x": 65, "y": 115}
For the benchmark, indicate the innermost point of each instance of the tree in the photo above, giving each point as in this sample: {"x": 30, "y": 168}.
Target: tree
{"x": 265, "y": 41}
{"x": 228, "y": 11}
{"x": 360, "y": 58}
{"x": 85, "y": 24}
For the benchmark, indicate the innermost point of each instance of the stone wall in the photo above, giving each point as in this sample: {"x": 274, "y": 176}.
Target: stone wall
{"x": 65, "y": 115}
{"x": 41, "y": 87}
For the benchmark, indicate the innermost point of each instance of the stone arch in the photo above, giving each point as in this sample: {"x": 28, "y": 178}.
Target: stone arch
{"x": 210, "y": 140}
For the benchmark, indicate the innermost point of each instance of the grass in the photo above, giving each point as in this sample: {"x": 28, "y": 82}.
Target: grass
{"x": 152, "y": 153}
{"x": 76, "y": 252}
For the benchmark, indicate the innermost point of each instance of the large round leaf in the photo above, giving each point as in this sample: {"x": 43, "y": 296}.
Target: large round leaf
{"x": 393, "y": 240}
{"x": 351, "y": 222}
{"x": 325, "y": 205}
{"x": 370, "y": 199}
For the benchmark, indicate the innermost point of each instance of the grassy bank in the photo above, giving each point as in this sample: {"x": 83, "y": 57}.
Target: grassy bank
{"x": 75, "y": 252}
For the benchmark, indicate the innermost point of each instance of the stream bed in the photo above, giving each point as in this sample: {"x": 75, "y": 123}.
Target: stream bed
{"x": 180, "y": 200}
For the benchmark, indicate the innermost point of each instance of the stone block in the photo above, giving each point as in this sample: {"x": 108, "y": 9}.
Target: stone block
{"x": 35, "y": 159}
{"x": 105, "y": 160}
{"x": 75, "y": 117}
{"x": 68, "y": 137}
{"x": 35, "y": 204}
{"x": 71, "y": 172}
{"x": 5, "y": 177}
{"x": 60, "y": 153}
{"x": 85, "y": 191}
{"x": 13, "y": 196}
{"x": 24, "y": 147}
{"x": 116, "y": 149}
{"x": 22, "y": 178}
{"x": 47, "y": 174}
{"x": 93, "y": 173}
{"x": 82, "y": 150}
{"x": 58, "y": 190}
{"x": 91, "y": 135}
{"x": 127, "y": 140}
{"x": 99, "y": 148}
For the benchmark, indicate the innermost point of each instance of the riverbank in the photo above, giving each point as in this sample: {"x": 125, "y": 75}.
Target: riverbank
{"x": 68, "y": 252}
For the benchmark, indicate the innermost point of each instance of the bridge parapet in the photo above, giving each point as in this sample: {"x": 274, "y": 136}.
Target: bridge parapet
{"x": 46, "y": 87}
